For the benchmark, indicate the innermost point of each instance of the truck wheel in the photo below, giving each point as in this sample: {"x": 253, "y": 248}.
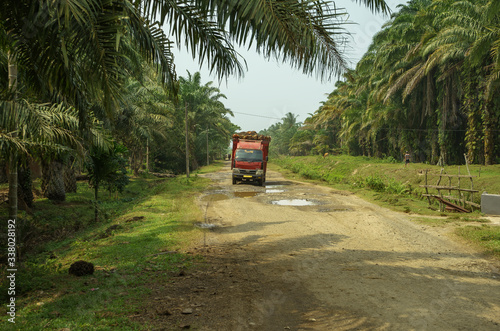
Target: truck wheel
{"x": 234, "y": 181}
{"x": 260, "y": 182}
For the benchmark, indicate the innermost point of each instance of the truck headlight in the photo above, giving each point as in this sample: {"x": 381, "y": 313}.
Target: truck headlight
{"x": 259, "y": 172}
{"x": 236, "y": 171}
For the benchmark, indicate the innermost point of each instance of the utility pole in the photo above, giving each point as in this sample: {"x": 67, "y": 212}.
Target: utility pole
{"x": 208, "y": 155}
{"x": 147, "y": 154}
{"x": 187, "y": 139}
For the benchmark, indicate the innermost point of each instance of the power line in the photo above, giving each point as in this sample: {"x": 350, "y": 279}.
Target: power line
{"x": 274, "y": 118}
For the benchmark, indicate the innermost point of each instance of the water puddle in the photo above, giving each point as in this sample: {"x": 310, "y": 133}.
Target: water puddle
{"x": 274, "y": 191}
{"x": 294, "y": 202}
{"x": 245, "y": 194}
{"x": 215, "y": 197}
{"x": 206, "y": 226}
{"x": 273, "y": 186}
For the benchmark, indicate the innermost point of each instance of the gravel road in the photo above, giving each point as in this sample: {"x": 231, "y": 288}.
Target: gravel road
{"x": 297, "y": 256}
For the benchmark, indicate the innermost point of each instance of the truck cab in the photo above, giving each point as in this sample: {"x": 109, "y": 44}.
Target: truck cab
{"x": 249, "y": 159}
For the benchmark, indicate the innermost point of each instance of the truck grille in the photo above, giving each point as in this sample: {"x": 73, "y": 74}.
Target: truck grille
{"x": 248, "y": 171}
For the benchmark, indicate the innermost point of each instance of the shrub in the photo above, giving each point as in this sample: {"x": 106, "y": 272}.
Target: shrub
{"x": 390, "y": 159}
{"x": 375, "y": 183}
{"x": 396, "y": 188}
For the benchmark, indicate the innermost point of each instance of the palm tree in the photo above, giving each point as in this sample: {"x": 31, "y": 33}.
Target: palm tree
{"x": 144, "y": 118}
{"x": 205, "y": 112}
{"x": 31, "y": 130}
{"x": 67, "y": 54}
{"x": 478, "y": 25}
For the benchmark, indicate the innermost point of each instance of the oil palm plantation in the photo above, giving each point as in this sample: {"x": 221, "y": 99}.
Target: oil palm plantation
{"x": 67, "y": 53}
{"x": 205, "y": 111}
{"x": 427, "y": 84}
{"x": 144, "y": 118}
{"x": 76, "y": 52}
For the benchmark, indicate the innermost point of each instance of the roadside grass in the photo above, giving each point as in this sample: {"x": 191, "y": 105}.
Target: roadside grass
{"x": 391, "y": 185}
{"x": 486, "y": 237}
{"x": 140, "y": 240}
{"x": 442, "y": 221}
{"x": 214, "y": 166}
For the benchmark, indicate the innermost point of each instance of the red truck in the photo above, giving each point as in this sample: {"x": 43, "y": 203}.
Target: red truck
{"x": 249, "y": 157}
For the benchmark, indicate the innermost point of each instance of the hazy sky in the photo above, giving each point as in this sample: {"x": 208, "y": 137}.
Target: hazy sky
{"x": 270, "y": 89}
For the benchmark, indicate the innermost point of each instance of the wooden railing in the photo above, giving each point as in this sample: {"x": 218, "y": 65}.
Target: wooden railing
{"x": 464, "y": 199}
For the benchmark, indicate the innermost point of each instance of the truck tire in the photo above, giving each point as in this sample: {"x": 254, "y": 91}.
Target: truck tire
{"x": 234, "y": 181}
{"x": 260, "y": 182}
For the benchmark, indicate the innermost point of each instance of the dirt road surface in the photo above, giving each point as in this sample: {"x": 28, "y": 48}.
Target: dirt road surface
{"x": 297, "y": 256}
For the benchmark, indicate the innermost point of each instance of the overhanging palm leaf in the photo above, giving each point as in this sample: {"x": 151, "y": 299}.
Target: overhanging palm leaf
{"x": 63, "y": 46}
{"x": 308, "y": 34}
{"x": 31, "y": 128}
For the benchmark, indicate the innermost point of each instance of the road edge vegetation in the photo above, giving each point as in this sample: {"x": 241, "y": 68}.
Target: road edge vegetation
{"x": 142, "y": 237}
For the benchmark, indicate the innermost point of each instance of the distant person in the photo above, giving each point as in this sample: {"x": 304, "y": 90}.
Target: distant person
{"x": 407, "y": 158}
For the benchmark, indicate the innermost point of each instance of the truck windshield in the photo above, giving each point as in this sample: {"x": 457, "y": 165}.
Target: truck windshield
{"x": 249, "y": 155}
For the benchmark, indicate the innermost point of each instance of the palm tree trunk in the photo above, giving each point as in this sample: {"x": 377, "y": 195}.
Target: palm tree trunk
{"x": 147, "y": 155}
{"x": 136, "y": 161}
{"x": 25, "y": 187}
{"x": 4, "y": 178}
{"x": 69, "y": 178}
{"x": 13, "y": 155}
{"x": 96, "y": 196}
{"x": 13, "y": 186}
{"x": 489, "y": 145}
{"x": 55, "y": 183}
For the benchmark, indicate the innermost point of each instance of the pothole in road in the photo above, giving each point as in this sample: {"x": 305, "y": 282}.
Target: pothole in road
{"x": 208, "y": 226}
{"x": 245, "y": 194}
{"x": 274, "y": 191}
{"x": 273, "y": 186}
{"x": 294, "y": 202}
{"x": 215, "y": 197}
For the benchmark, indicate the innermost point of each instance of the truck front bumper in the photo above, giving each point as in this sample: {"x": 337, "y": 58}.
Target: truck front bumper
{"x": 249, "y": 178}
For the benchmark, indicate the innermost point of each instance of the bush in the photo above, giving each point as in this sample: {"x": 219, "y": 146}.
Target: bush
{"x": 389, "y": 159}
{"x": 396, "y": 188}
{"x": 375, "y": 183}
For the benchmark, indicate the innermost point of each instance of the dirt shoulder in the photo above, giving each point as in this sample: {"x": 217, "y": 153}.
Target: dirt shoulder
{"x": 296, "y": 256}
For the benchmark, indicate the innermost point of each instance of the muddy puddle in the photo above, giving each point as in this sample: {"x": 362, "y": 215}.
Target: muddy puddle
{"x": 215, "y": 197}
{"x": 271, "y": 187}
{"x": 274, "y": 191}
{"x": 245, "y": 194}
{"x": 294, "y": 202}
{"x": 208, "y": 226}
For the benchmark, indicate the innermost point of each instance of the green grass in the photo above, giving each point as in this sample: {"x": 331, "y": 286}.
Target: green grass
{"x": 397, "y": 187}
{"x": 486, "y": 237}
{"x": 214, "y": 166}
{"x": 123, "y": 249}
{"x": 441, "y": 221}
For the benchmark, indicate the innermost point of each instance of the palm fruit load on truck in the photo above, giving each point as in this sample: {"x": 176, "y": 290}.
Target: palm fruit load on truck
{"x": 249, "y": 157}
{"x": 252, "y": 135}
